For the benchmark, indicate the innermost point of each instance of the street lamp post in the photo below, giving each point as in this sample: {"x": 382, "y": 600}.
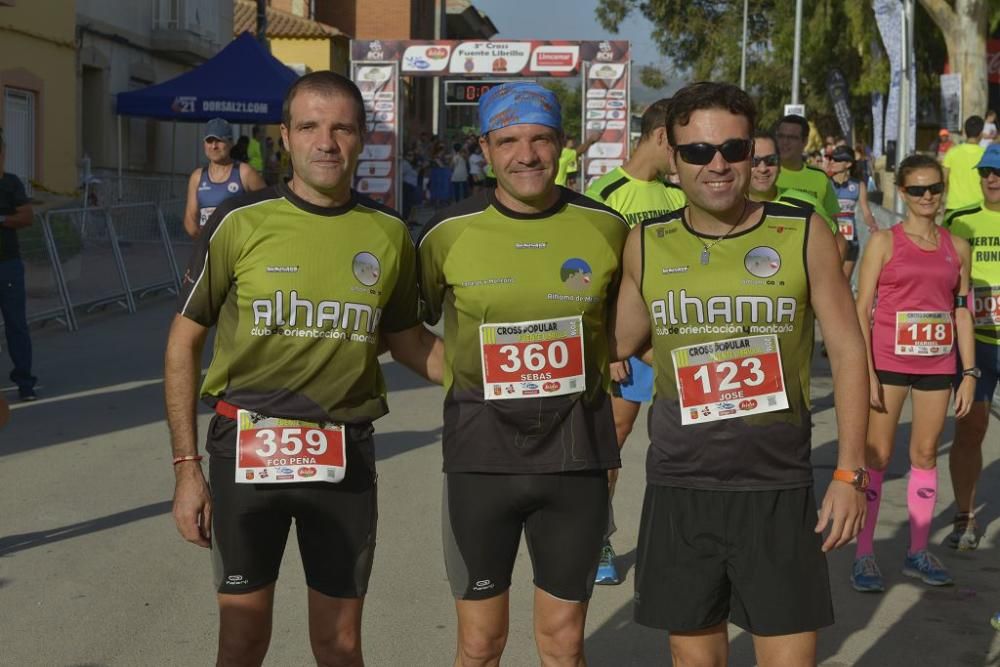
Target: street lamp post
{"x": 795, "y": 56}
{"x": 743, "y": 60}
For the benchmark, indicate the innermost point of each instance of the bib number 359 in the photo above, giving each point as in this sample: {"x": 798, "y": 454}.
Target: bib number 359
{"x": 729, "y": 378}
{"x": 271, "y": 450}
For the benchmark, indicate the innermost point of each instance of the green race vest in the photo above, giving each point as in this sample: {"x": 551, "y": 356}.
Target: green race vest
{"x": 754, "y": 283}
{"x": 981, "y": 228}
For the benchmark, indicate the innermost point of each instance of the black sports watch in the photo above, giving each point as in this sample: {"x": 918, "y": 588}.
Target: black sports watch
{"x": 974, "y": 372}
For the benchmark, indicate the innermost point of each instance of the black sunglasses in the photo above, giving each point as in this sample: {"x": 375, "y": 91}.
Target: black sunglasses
{"x": 984, "y": 172}
{"x": 919, "y": 190}
{"x": 772, "y": 160}
{"x": 734, "y": 150}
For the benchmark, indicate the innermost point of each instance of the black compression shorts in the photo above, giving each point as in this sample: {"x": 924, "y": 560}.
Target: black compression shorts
{"x": 564, "y": 516}
{"x": 335, "y": 524}
{"x": 915, "y": 380}
{"x": 751, "y": 557}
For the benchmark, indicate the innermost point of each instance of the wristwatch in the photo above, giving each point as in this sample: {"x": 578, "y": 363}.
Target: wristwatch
{"x": 857, "y": 478}
{"x": 974, "y": 372}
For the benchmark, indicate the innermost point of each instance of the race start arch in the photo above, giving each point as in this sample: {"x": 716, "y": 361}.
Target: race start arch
{"x": 472, "y": 67}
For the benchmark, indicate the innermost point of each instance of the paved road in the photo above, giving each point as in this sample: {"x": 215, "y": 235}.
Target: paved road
{"x": 93, "y": 573}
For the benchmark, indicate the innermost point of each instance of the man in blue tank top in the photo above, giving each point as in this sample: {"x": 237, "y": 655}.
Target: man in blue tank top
{"x": 221, "y": 179}
{"x": 852, "y": 197}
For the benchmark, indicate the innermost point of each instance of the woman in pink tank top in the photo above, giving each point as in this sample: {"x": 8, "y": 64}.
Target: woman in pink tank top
{"x": 911, "y": 302}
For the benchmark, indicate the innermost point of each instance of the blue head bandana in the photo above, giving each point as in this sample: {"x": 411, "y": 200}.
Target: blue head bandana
{"x": 518, "y": 104}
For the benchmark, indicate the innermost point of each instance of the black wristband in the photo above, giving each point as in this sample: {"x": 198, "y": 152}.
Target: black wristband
{"x": 961, "y": 300}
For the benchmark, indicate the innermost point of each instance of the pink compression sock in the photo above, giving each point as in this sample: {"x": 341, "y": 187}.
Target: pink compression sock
{"x": 874, "y": 497}
{"x": 921, "y": 494}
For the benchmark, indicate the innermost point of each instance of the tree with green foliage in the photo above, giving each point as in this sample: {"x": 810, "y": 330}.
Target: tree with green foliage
{"x": 704, "y": 38}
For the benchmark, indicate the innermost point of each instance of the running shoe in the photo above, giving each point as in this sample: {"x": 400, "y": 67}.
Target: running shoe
{"x": 964, "y": 535}
{"x": 865, "y": 575}
{"x": 925, "y": 566}
{"x": 607, "y": 573}
{"x": 27, "y": 394}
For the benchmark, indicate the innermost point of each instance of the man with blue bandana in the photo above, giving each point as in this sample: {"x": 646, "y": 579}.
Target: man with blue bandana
{"x": 524, "y": 276}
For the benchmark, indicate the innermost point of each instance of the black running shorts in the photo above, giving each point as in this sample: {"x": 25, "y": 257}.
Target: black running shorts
{"x": 335, "y": 523}
{"x": 750, "y": 557}
{"x": 564, "y": 516}
{"x": 915, "y": 380}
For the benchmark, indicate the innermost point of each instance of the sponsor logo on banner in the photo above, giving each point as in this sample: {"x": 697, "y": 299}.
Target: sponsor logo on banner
{"x": 617, "y": 114}
{"x": 617, "y": 94}
{"x": 605, "y": 52}
{"x": 552, "y": 58}
{"x": 183, "y": 104}
{"x": 616, "y": 104}
{"x": 487, "y": 57}
{"x": 375, "y": 51}
{"x": 596, "y": 125}
{"x": 606, "y": 149}
{"x": 607, "y": 71}
{"x": 381, "y": 168}
{"x": 616, "y": 125}
{"x": 601, "y": 166}
{"x": 426, "y": 58}
{"x": 376, "y": 152}
{"x": 597, "y": 93}
{"x": 383, "y": 106}
{"x": 385, "y": 95}
{"x": 374, "y": 185}
{"x": 596, "y": 104}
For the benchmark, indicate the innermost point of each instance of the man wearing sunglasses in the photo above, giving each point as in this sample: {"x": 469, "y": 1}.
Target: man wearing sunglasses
{"x": 726, "y": 291}
{"x": 791, "y": 134}
{"x": 639, "y": 192}
{"x": 980, "y": 226}
{"x": 763, "y": 185}
{"x": 221, "y": 179}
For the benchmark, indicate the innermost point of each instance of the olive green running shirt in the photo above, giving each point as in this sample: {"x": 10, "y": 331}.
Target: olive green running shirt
{"x": 481, "y": 262}
{"x": 755, "y": 283}
{"x": 298, "y": 295}
{"x": 981, "y": 228}
{"x": 815, "y": 182}
{"x": 635, "y": 199}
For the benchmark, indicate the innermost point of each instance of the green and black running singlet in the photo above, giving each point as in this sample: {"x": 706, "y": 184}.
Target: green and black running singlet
{"x": 525, "y": 300}
{"x": 981, "y": 228}
{"x": 636, "y": 200}
{"x": 732, "y": 340}
{"x": 815, "y": 182}
{"x": 299, "y": 295}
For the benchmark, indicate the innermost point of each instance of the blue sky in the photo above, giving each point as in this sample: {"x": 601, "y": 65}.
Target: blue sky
{"x": 574, "y": 19}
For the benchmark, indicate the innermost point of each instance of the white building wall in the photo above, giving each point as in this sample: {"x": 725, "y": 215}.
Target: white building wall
{"x": 116, "y": 55}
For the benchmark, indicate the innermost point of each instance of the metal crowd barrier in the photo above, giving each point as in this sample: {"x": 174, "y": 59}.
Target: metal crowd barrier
{"x": 82, "y": 259}
{"x": 43, "y": 281}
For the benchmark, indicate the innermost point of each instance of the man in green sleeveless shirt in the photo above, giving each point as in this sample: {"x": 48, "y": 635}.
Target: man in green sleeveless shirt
{"x": 726, "y": 290}
{"x": 980, "y": 226}
{"x": 303, "y": 281}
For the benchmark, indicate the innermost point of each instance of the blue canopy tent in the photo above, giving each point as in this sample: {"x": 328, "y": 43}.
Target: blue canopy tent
{"x": 243, "y": 83}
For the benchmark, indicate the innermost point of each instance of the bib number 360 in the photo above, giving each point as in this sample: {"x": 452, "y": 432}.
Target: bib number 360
{"x": 275, "y": 451}
{"x": 729, "y": 378}
{"x": 539, "y": 358}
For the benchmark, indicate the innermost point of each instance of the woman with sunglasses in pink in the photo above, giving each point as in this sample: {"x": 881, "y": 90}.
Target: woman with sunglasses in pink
{"x": 911, "y": 302}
